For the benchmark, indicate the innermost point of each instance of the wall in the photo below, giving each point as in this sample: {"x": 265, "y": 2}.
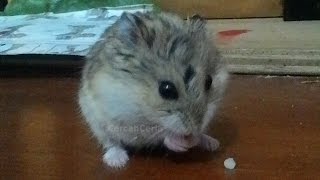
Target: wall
{"x": 224, "y": 8}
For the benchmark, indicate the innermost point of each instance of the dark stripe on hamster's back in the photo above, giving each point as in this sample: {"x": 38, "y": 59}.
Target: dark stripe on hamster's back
{"x": 126, "y": 56}
{"x": 143, "y": 65}
{"x": 178, "y": 41}
{"x": 133, "y": 38}
{"x": 148, "y": 34}
{"x": 138, "y": 21}
{"x": 165, "y": 24}
{"x": 188, "y": 75}
{"x": 125, "y": 70}
{"x": 150, "y": 37}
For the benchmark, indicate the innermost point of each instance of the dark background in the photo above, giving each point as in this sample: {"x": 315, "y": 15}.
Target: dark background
{"x": 295, "y": 10}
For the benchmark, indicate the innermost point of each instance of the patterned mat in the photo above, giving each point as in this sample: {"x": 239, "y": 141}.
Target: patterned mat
{"x": 62, "y": 34}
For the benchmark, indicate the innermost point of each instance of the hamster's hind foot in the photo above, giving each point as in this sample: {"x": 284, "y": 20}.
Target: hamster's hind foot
{"x": 116, "y": 157}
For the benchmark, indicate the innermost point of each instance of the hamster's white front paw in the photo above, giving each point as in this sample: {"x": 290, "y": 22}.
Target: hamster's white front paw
{"x": 116, "y": 157}
{"x": 180, "y": 143}
{"x": 209, "y": 143}
{"x": 174, "y": 146}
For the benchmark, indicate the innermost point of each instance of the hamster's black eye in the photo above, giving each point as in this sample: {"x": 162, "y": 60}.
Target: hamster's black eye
{"x": 167, "y": 90}
{"x": 208, "y": 83}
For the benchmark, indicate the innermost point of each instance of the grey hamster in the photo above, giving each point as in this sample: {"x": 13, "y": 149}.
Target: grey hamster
{"x": 152, "y": 78}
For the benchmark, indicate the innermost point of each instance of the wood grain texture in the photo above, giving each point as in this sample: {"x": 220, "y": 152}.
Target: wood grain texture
{"x": 269, "y": 125}
{"x": 224, "y": 8}
{"x": 269, "y": 45}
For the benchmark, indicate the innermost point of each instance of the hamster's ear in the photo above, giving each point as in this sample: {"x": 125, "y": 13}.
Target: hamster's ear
{"x": 197, "y": 17}
{"x": 134, "y": 28}
{"x": 197, "y": 23}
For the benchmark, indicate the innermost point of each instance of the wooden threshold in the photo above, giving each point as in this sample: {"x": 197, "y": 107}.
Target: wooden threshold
{"x": 269, "y": 46}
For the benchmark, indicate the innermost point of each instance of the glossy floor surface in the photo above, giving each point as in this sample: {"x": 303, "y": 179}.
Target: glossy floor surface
{"x": 269, "y": 125}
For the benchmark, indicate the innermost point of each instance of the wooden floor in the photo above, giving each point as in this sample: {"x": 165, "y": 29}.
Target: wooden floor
{"x": 270, "y": 126}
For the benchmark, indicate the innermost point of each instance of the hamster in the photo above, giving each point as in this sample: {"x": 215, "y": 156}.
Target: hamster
{"x": 152, "y": 78}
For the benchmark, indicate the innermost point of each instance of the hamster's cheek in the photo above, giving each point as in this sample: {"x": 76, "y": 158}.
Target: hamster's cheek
{"x": 117, "y": 99}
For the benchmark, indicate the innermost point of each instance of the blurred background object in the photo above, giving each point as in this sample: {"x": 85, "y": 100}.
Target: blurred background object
{"x": 297, "y": 10}
{"x": 3, "y": 4}
{"x": 224, "y": 8}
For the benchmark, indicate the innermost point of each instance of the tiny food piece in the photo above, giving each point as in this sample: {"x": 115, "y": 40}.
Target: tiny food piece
{"x": 229, "y": 163}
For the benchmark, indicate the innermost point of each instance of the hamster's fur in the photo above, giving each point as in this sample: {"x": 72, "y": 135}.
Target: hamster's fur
{"x": 152, "y": 78}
